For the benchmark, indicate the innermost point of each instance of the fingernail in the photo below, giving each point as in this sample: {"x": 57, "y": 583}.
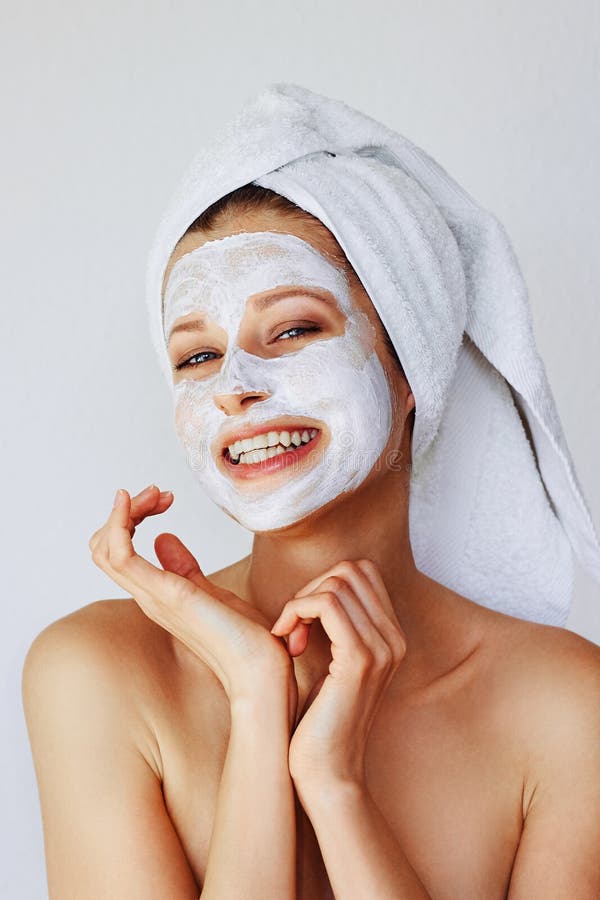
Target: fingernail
{"x": 149, "y": 488}
{"x": 118, "y": 496}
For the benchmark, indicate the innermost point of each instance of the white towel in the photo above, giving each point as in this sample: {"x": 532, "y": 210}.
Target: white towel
{"x": 496, "y": 509}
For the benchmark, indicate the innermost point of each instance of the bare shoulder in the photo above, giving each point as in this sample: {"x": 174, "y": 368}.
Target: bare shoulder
{"x": 120, "y": 624}
{"x": 116, "y": 631}
{"x": 545, "y": 660}
{"x": 114, "y": 651}
{"x": 537, "y": 667}
{"x": 94, "y": 684}
{"x": 545, "y": 682}
{"x": 124, "y": 643}
{"x": 546, "y": 685}
{"x": 111, "y": 655}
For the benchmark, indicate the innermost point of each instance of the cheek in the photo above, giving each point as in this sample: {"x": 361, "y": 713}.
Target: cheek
{"x": 191, "y": 416}
{"x": 181, "y": 418}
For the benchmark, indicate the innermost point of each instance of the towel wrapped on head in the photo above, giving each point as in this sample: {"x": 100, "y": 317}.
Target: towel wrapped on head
{"x": 496, "y": 510}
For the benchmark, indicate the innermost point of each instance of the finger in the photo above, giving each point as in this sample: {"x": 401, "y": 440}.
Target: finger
{"x": 375, "y": 578}
{"x": 368, "y": 594}
{"x": 175, "y": 556}
{"x": 174, "y": 602}
{"x": 314, "y": 583}
{"x": 120, "y": 514}
{"x": 353, "y": 606}
{"x": 298, "y": 639}
{"x": 347, "y": 648}
{"x": 398, "y": 635}
{"x": 164, "y": 596}
{"x": 353, "y": 574}
{"x": 134, "y": 573}
{"x": 149, "y": 502}
{"x": 390, "y": 624}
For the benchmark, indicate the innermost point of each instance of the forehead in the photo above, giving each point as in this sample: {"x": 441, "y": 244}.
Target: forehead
{"x": 305, "y": 226}
{"x": 221, "y": 275}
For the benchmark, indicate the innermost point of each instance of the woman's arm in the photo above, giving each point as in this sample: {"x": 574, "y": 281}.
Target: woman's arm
{"x": 107, "y": 832}
{"x": 328, "y": 748}
{"x": 253, "y": 845}
{"x": 360, "y": 852}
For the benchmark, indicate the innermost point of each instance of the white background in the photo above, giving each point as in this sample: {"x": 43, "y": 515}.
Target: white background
{"x": 103, "y": 106}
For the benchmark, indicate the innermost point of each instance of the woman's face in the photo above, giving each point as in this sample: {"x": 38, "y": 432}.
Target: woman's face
{"x": 285, "y": 396}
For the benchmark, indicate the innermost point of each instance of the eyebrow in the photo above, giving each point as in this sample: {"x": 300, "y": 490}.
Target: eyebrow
{"x": 259, "y": 303}
{"x": 197, "y": 324}
{"x": 269, "y": 299}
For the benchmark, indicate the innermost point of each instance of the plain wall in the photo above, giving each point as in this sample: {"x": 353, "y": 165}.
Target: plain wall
{"x": 103, "y": 106}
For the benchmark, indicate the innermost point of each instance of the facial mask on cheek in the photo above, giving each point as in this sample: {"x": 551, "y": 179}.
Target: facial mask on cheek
{"x": 337, "y": 380}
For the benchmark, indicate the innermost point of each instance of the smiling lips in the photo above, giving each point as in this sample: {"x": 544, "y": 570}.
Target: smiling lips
{"x": 269, "y": 451}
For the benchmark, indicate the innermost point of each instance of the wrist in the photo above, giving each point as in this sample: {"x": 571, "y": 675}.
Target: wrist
{"x": 326, "y": 773}
{"x": 260, "y": 703}
{"x": 268, "y": 678}
{"x": 329, "y": 790}
{"x": 260, "y": 730}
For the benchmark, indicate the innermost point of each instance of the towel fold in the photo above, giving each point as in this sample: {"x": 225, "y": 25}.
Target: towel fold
{"x": 496, "y": 510}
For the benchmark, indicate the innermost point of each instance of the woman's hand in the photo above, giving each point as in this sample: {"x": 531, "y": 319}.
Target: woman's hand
{"x": 367, "y": 646}
{"x": 228, "y": 634}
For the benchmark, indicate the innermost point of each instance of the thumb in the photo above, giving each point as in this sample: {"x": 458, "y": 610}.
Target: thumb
{"x": 175, "y": 557}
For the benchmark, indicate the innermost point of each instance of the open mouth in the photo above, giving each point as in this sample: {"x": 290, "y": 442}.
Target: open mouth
{"x": 269, "y": 451}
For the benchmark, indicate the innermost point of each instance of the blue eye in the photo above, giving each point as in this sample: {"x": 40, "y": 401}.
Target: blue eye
{"x": 297, "y": 328}
{"x": 187, "y": 363}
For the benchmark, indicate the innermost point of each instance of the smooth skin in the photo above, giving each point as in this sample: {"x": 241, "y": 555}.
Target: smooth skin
{"x": 317, "y": 719}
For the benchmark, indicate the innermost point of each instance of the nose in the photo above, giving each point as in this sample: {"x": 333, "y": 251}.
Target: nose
{"x": 233, "y": 404}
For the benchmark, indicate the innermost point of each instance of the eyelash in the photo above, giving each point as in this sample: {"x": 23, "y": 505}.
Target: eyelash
{"x": 186, "y": 364}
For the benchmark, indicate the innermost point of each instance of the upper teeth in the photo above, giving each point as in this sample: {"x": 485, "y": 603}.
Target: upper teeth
{"x": 264, "y": 446}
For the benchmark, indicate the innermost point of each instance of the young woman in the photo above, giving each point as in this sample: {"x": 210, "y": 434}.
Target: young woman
{"x": 320, "y": 718}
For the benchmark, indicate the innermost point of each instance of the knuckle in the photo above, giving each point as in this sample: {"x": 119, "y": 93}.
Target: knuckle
{"x": 400, "y": 646}
{"x": 96, "y": 538}
{"x": 334, "y": 583}
{"x": 99, "y": 555}
{"x": 367, "y": 565}
{"x": 346, "y": 565}
{"x": 384, "y": 657}
{"x": 118, "y": 557}
{"x": 330, "y": 600}
{"x": 397, "y": 643}
{"x": 362, "y": 662}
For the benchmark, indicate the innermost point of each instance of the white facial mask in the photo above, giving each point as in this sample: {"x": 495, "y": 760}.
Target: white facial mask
{"x": 336, "y": 380}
